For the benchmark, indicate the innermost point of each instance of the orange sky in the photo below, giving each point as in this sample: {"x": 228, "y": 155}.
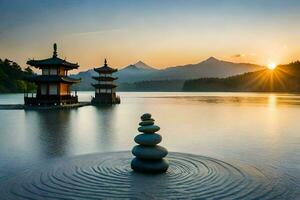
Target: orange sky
{"x": 161, "y": 34}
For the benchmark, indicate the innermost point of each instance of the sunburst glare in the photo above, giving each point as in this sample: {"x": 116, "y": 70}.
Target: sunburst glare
{"x": 272, "y": 66}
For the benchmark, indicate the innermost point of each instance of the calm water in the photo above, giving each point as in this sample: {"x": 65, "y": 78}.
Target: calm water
{"x": 261, "y": 130}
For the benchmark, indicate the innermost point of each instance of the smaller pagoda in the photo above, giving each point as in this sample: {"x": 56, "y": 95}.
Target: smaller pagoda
{"x": 54, "y": 84}
{"x": 105, "y": 89}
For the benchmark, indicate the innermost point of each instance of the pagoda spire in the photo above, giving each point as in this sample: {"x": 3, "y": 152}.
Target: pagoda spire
{"x": 105, "y": 62}
{"x": 54, "y": 50}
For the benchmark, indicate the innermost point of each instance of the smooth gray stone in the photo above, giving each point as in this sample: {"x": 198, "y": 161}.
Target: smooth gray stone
{"x": 146, "y": 116}
{"x": 143, "y": 166}
{"x": 149, "y": 129}
{"x": 149, "y": 152}
{"x": 148, "y": 139}
{"x": 146, "y": 123}
{"x": 150, "y": 119}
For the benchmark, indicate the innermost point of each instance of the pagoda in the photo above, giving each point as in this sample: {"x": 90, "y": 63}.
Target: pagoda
{"x": 105, "y": 89}
{"x": 53, "y": 85}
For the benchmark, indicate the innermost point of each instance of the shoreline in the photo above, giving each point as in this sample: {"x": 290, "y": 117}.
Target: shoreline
{"x": 24, "y": 107}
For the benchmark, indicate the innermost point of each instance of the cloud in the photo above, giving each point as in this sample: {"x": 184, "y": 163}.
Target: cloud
{"x": 238, "y": 55}
{"x": 96, "y": 32}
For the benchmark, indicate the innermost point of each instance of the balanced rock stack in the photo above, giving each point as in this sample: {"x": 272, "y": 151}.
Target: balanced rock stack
{"x": 149, "y": 155}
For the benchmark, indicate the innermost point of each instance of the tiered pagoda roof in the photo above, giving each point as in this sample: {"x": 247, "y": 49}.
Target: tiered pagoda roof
{"x": 104, "y": 86}
{"x": 104, "y": 78}
{"x": 54, "y": 61}
{"x": 107, "y": 81}
{"x": 105, "y": 69}
{"x": 52, "y": 78}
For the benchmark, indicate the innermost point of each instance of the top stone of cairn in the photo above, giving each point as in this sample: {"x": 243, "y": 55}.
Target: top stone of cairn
{"x": 146, "y": 116}
{"x": 147, "y": 124}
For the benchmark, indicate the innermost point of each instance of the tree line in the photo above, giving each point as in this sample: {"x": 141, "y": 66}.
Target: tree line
{"x": 12, "y": 77}
{"x": 284, "y": 78}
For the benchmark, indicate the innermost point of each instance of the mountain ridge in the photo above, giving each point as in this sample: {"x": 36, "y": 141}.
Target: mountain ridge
{"x": 211, "y": 67}
{"x": 141, "y": 65}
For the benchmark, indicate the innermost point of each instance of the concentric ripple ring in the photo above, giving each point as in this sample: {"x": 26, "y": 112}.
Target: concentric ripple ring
{"x": 108, "y": 175}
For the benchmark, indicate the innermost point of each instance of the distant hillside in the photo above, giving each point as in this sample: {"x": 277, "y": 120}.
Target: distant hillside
{"x": 211, "y": 67}
{"x": 136, "y": 72}
{"x": 285, "y": 78}
{"x": 141, "y": 72}
{"x": 86, "y": 80}
{"x": 11, "y": 77}
{"x": 153, "y": 86}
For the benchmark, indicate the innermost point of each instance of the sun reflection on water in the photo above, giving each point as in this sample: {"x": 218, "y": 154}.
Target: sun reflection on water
{"x": 272, "y": 102}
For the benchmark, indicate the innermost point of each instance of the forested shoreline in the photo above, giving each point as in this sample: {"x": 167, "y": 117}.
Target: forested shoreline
{"x": 285, "y": 78}
{"x": 12, "y": 77}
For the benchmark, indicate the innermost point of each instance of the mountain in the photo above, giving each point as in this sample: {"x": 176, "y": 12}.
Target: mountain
{"x": 211, "y": 67}
{"x": 144, "y": 66}
{"x": 138, "y": 67}
{"x": 284, "y": 78}
{"x": 86, "y": 80}
{"x": 135, "y": 72}
{"x": 140, "y": 71}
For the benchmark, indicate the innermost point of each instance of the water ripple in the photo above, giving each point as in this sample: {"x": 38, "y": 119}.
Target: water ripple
{"x": 108, "y": 175}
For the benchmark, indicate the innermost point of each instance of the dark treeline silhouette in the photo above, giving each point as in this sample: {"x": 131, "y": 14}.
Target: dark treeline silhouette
{"x": 11, "y": 77}
{"x": 285, "y": 78}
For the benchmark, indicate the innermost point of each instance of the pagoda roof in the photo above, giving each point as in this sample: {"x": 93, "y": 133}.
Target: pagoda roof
{"x": 105, "y": 69}
{"x": 104, "y": 78}
{"x": 53, "y": 61}
{"x": 52, "y": 78}
{"x": 104, "y": 86}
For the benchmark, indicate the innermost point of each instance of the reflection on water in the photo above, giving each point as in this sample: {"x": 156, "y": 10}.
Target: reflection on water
{"x": 105, "y": 122}
{"x": 254, "y": 128}
{"x": 270, "y": 99}
{"x": 54, "y": 131}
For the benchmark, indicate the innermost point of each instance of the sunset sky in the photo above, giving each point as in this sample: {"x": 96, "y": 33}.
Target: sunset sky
{"x": 160, "y": 33}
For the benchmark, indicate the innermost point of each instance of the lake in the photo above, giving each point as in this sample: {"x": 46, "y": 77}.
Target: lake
{"x": 255, "y": 129}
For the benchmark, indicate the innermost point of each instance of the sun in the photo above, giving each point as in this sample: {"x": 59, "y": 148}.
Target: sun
{"x": 272, "y": 66}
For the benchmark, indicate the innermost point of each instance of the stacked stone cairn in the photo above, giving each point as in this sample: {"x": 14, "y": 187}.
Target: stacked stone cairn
{"x": 149, "y": 155}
